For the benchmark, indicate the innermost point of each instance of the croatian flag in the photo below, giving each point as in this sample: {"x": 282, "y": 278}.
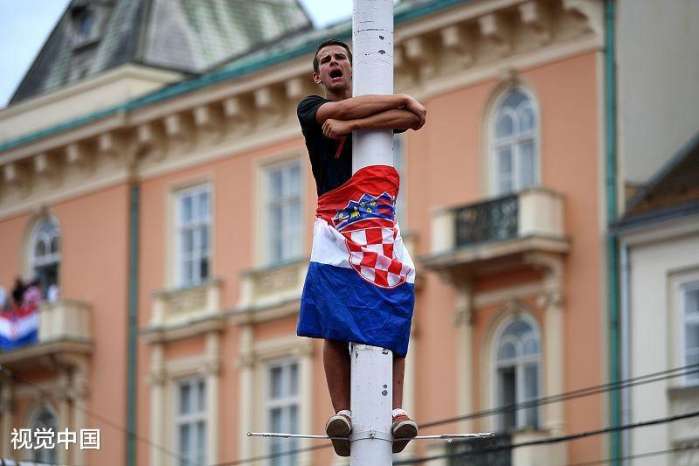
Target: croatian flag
{"x": 360, "y": 285}
{"x": 19, "y": 327}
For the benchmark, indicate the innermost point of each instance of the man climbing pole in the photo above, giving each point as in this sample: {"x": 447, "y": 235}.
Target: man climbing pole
{"x": 360, "y": 282}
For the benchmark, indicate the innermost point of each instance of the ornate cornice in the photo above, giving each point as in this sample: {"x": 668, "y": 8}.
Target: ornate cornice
{"x": 226, "y": 118}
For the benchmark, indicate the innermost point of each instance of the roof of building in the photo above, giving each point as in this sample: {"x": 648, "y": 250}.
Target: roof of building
{"x": 672, "y": 192}
{"x": 272, "y": 53}
{"x": 93, "y": 36}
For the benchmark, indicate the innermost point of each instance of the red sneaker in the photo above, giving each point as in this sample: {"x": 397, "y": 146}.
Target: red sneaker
{"x": 338, "y": 428}
{"x": 403, "y": 429}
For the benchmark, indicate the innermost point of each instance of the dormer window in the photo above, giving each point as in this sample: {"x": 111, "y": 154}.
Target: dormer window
{"x": 83, "y": 23}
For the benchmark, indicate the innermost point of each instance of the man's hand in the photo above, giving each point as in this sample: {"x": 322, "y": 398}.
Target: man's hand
{"x": 336, "y": 129}
{"x": 418, "y": 109}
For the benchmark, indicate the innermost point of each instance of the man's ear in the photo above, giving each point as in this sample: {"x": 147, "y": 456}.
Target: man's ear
{"x": 316, "y": 77}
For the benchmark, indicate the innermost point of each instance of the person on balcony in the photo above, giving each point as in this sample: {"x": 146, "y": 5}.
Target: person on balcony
{"x": 4, "y": 305}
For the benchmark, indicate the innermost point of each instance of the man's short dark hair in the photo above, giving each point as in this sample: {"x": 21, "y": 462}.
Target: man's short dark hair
{"x": 326, "y": 43}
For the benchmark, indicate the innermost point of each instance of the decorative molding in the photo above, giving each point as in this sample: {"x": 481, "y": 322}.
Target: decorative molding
{"x": 42, "y": 164}
{"x": 13, "y": 173}
{"x": 295, "y": 89}
{"x": 490, "y": 298}
{"x": 534, "y": 14}
{"x": 433, "y": 55}
{"x": 592, "y": 11}
{"x": 494, "y": 28}
{"x": 74, "y": 154}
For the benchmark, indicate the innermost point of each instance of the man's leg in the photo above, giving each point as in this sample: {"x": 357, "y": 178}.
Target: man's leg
{"x": 336, "y": 361}
{"x": 403, "y": 428}
{"x": 398, "y": 375}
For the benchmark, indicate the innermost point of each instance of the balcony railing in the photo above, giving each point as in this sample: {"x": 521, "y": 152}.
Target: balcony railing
{"x": 64, "y": 320}
{"x": 486, "y": 221}
{"x": 184, "y": 305}
{"x": 64, "y": 329}
{"x": 492, "y": 451}
{"x": 534, "y": 212}
{"x": 274, "y": 287}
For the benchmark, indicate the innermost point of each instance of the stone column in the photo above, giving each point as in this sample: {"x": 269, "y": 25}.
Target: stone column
{"x": 246, "y": 367}
{"x": 554, "y": 342}
{"x": 157, "y": 404}
{"x": 305, "y": 355}
{"x": 212, "y": 376}
{"x": 79, "y": 395}
{"x": 463, "y": 321}
{"x": 64, "y": 394}
{"x": 6, "y": 412}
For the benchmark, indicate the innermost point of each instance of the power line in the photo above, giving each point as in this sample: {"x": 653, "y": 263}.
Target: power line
{"x": 559, "y": 439}
{"x": 271, "y": 455}
{"x": 587, "y": 391}
{"x": 582, "y": 392}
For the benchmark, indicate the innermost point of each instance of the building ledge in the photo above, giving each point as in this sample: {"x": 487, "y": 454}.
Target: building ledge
{"x": 40, "y": 354}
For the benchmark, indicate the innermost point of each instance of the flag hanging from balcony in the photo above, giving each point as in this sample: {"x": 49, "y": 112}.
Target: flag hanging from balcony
{"x": 19, "y": 327}
{"x": 360, "y": 282}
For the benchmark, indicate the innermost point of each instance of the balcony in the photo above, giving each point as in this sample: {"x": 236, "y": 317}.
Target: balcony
{"x": 64, "y": 328}
{"x": 497, "y": 232}
{"x": 184, "y": 312}
{"x": 271, "y": 292}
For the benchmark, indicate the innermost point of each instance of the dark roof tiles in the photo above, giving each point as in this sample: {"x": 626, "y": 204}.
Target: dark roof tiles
{"x": 185, "y": 35}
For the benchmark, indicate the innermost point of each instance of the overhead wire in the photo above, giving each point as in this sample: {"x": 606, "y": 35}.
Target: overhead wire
{"x": 583, "y": 392}
{"x": 587, "y": 391}
{"x": 552, "y": 440}
{"x": 578, "y": 393}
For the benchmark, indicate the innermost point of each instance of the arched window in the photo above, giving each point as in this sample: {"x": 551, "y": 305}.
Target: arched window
{"x": 517, "y": 372}
{"x": 46, "y": 256}
{"x": 44, "y": 420}
{"x": 514, "y": 148}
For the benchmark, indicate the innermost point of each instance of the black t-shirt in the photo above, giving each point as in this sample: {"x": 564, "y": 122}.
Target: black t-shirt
{"x": 331, "y": 159}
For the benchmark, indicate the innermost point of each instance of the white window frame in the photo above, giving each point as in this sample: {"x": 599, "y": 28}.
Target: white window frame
{"x": 515, "y": 144}
{"x": 520, "y": 363}
{"x": 191, "y": 419}
{"x": 684, "y": 289}
{"x": 294, "y": 399}
{"x": 197, "y": 255}
{"x": 291, "y": 234}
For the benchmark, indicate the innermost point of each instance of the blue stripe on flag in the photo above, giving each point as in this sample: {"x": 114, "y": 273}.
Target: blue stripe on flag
{"x": 337, "y": 304}
{"x": 29, "y": 338}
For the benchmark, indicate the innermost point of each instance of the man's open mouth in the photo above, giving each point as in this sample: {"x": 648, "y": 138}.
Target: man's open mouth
{"x": 335, "y": 74}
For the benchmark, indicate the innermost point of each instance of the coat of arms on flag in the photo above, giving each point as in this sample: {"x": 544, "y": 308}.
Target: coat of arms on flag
{"x": 368, "y": 226}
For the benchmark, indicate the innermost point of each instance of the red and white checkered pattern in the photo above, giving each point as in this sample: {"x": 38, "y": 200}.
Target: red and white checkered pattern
{"x": 371, "y": 254}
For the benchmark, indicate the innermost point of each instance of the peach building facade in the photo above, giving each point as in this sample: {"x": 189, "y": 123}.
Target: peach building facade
{"x": 184, "y": 223}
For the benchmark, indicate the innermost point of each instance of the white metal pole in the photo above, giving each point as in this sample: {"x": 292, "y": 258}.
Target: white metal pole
{"x": 372, "y": 397}
{"x": 372, "y": 367}
{"x": 372, "y": 69}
